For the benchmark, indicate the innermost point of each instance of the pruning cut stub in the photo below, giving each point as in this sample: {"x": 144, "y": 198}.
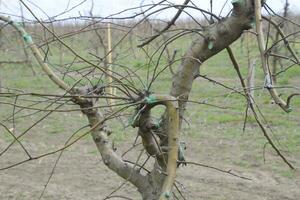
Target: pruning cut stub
{"x": 151, "y": 99}
{"x": 268, "y": 81}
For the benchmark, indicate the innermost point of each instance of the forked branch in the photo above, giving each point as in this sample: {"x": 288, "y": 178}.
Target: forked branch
{"x": 261, "y": 44}
{"x": 100, "y": 131}
{"x": 172, "y": 132}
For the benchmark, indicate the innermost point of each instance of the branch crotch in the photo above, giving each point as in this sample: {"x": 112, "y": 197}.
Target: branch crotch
{"x": 100, "y": 132}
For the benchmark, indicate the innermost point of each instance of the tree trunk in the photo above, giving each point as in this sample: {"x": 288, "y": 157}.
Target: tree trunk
{"x": 215, "y": 38}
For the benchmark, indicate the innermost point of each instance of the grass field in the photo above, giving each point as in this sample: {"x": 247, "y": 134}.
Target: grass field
{"x": 214, "y": 136}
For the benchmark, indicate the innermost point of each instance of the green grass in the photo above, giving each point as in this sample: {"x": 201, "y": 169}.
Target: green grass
{"x": 287, "y": 173}
{"x": 205, "y": 121}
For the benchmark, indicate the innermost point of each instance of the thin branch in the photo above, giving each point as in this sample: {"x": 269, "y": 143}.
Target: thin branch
{"x": 261, "y": 45}
{"x": 170, "y": 23}
{"x": 237, "y": 68}
{"x": 217, "y": 169}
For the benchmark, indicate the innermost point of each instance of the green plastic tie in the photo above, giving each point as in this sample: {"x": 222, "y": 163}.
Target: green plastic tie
{"x": 238, "y": 2}
{"x": 27, "y": 38}
{"x": 130, "y": 122}
{"x": 151, "y": 99}
{"x": 253, "y": 22}
{"x": 167, "y": 194}
{"x": 210, "y": 45}
{"x": 132, "y": 119}
{"x": 289, "y": 109}
{"x": 157, "y": 124}
{"x": 16, "y": 24}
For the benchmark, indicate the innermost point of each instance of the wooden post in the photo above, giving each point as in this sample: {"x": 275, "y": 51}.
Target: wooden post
{"x": 109, "y": 89}
{"x": 61, "y": 55}
{"x": 0, "y": 82}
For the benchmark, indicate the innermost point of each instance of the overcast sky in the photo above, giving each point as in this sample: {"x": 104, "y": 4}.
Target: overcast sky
{"x": 106, "y": 7}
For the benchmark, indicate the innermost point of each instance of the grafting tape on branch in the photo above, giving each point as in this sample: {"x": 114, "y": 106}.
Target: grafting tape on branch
{"x": 289, "y": 109}
{"x": 151, "y": 99}
{"x": 237, "y": 2}
{"x": 167, "y": 195}
{"x": 210, "y": 45}
{"x": 158, "y": 123}
{"x": 37, "y": 54}
{"x": 27, "y": 38}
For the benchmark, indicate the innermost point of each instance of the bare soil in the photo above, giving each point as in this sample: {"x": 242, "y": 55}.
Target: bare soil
{"x": 80, "y": 174}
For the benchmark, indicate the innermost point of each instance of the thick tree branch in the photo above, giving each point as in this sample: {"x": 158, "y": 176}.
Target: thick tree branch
{"x": 166, "y": 162}
{"x": 37, "y": 54}
{"x": 109, "y": 156}
{"x": 216, "y": 37}
{"x": 173, "y": 137}
{"x": 96, "y": 120}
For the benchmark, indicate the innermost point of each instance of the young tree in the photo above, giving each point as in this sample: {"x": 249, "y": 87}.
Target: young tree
{"x": 160, "y": 138}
